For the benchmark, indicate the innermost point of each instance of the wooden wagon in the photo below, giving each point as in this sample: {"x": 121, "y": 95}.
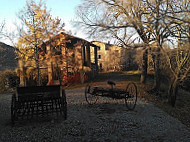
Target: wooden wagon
{"x": 92, "y": 92}
{"x": 32, "y": 101}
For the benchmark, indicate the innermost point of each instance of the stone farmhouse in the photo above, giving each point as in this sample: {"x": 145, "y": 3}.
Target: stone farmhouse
{"x": 64, "y": 58}
{"x": 114, "y": 58}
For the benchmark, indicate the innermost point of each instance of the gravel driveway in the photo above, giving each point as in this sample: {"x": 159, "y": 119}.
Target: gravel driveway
{"x": 107, "y": 121}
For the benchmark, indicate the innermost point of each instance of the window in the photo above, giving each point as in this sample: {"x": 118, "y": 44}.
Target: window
{"x": 116, "y": 51}
{"x": 106, "y": 47}
{"x": 99, "y": 56}
{"x": 57, "y": 50}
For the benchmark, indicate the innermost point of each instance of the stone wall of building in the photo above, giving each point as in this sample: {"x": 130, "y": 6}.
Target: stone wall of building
{"x": 110, "y": 57}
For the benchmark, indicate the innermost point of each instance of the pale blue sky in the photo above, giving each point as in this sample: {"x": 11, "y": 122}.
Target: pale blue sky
{"x": 64, "y": 9}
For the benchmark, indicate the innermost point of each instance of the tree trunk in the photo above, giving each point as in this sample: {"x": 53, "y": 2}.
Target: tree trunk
{"x": 157, "y": 78}
{"x": 172, "y": 92}
{"x": 37, "y": 65}
{"x": 144, "y": 66}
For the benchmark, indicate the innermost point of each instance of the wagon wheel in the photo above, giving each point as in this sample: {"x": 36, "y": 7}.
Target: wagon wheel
{"x": 131, "y": 96}
{"x": 90, "y": 94}
{"x": 13, "y": 109}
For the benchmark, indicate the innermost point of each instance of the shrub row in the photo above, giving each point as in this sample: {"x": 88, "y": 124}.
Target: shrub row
{"x": 8, "y": 80}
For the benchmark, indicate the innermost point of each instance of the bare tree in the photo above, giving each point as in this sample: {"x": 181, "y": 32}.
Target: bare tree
{"x": 155, "y": 22}
{"x": 177, "y": 65}
{"x": 117, "y": 19}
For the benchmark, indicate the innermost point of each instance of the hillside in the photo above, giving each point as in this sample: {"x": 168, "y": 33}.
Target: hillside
{"x": 7, "y": 57}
